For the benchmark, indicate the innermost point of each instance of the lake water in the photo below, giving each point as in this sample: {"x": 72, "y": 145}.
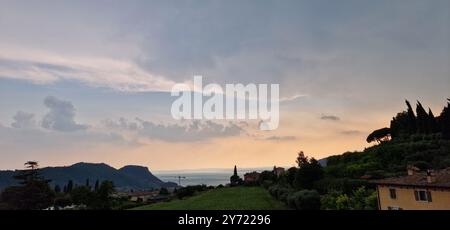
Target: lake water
{"x": 208, "y": 177}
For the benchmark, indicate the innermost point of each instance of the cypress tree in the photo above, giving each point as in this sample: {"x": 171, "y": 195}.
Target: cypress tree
{"x": 70, "y": 186}
{"x": 411, "y": 122}
{"x": 399, "y": 125}
{"x": 422, "y": 120}
{"x": 444, "y": 121}
{"x": 96, "y": 185}
{"x": 57, "y": 189}
{"x": 432, "y": 122}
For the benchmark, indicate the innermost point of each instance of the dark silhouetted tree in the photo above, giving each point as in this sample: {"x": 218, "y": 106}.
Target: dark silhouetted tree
{"x": 411, "y": 128}
{"x": 82, "y": 195}
{"x": 422, "y": 120}
{"x": 308, "y": 172}
{"x": 399, "y": 125}
{"x": 291, "y": 175}
{"x": 34, "y": 193}
{"x": 404, "y": 123}
{"x": 380, "y": 135}
{"x": 96, "y": 185}
{"x": 301, "y": 160}
{"x": 69, "y": 186}
{"x": 103, "y": 196}
{"x": 235, "y": 179}
{"x": 433, "y": 122}
{"x": 444, "y": 121}
{"x": 57, "y": 189}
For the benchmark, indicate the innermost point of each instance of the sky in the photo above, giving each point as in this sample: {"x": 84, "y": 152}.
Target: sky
{"x": 89, "y": 81}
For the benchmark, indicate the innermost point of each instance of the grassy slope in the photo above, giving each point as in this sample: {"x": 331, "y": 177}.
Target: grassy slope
{"x": 236, "y": 198}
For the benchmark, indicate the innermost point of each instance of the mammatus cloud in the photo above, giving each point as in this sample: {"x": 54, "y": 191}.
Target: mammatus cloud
{"x": 61, "y": 116}
{"x": 330, "y": 117}
{"x": 179, "y": 132}
{"x": 23, "y": 120}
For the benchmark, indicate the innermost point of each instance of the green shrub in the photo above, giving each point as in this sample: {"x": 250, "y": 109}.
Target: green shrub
{"x": 283, "y": 193}
{"x": 304, "y": 200}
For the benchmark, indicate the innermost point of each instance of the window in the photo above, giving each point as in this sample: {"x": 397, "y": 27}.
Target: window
{"x": 423, "y": 195}
{"x": 393, "y": 193}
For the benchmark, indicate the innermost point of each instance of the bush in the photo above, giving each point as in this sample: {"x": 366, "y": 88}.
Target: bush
{"x": 273, "y": 190}
{"x": 62, "y": 201}
{"x": 190, "y": 190}
{"x": 344, "y": 185}
{"x": 283, "y": 193}
{"x": 328, "y": 201}
{"x": 82, "y": 195}
{"x": 163, "y": 192}
{"x": 304, "y": 200}
{"x": 343, "y": 202}
{"x": 266, "y": 183}
{"x": 359, "y": 199}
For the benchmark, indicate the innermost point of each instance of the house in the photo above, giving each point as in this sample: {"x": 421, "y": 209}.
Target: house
{"x": 251, "y": 177}
{"x": 417, "y": 191}
{"x": 278, "y": 171}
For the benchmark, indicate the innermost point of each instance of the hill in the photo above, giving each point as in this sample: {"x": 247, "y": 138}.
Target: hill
{"x": 414, "y": 138}
{"x": 126, "y": 178}
{"x": 234, "y": 198}
{"x": 391, "y": 158}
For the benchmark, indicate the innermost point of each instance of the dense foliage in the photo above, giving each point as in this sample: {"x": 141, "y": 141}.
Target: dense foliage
{"x": 413, "y": 138}
{"x": 189, "y": 190}
{"x": 33, "y": 192}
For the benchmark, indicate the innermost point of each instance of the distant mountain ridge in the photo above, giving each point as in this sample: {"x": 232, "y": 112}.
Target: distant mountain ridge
{"x": 130, "y": 177}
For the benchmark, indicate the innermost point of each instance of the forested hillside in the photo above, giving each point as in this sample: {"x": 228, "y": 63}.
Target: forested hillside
{"x": 413, "y": 138}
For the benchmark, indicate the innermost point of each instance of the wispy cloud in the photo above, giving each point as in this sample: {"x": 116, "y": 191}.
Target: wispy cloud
{"x": 292, "y": 98}
{"x": 43, "y": 67}
{"x": 330, "y": 117}
{"x": 281, "y": 138}
{"x": 352, "y": 132}
{"x": 177, "y": 132}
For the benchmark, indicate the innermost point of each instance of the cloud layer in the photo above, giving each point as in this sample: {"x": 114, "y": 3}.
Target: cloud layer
{"x": 44, "y": 67}
{"x": 186, "y": 131}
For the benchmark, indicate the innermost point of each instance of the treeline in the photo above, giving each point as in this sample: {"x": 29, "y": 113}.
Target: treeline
{"x": 67, "y": 188}
{"x": 191, "y": 190}
{"x": 309, "y": 187}
{"x": 413, "y": 138}
{"x": 35, "y": 193}
{"x": 408, "y": 123}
